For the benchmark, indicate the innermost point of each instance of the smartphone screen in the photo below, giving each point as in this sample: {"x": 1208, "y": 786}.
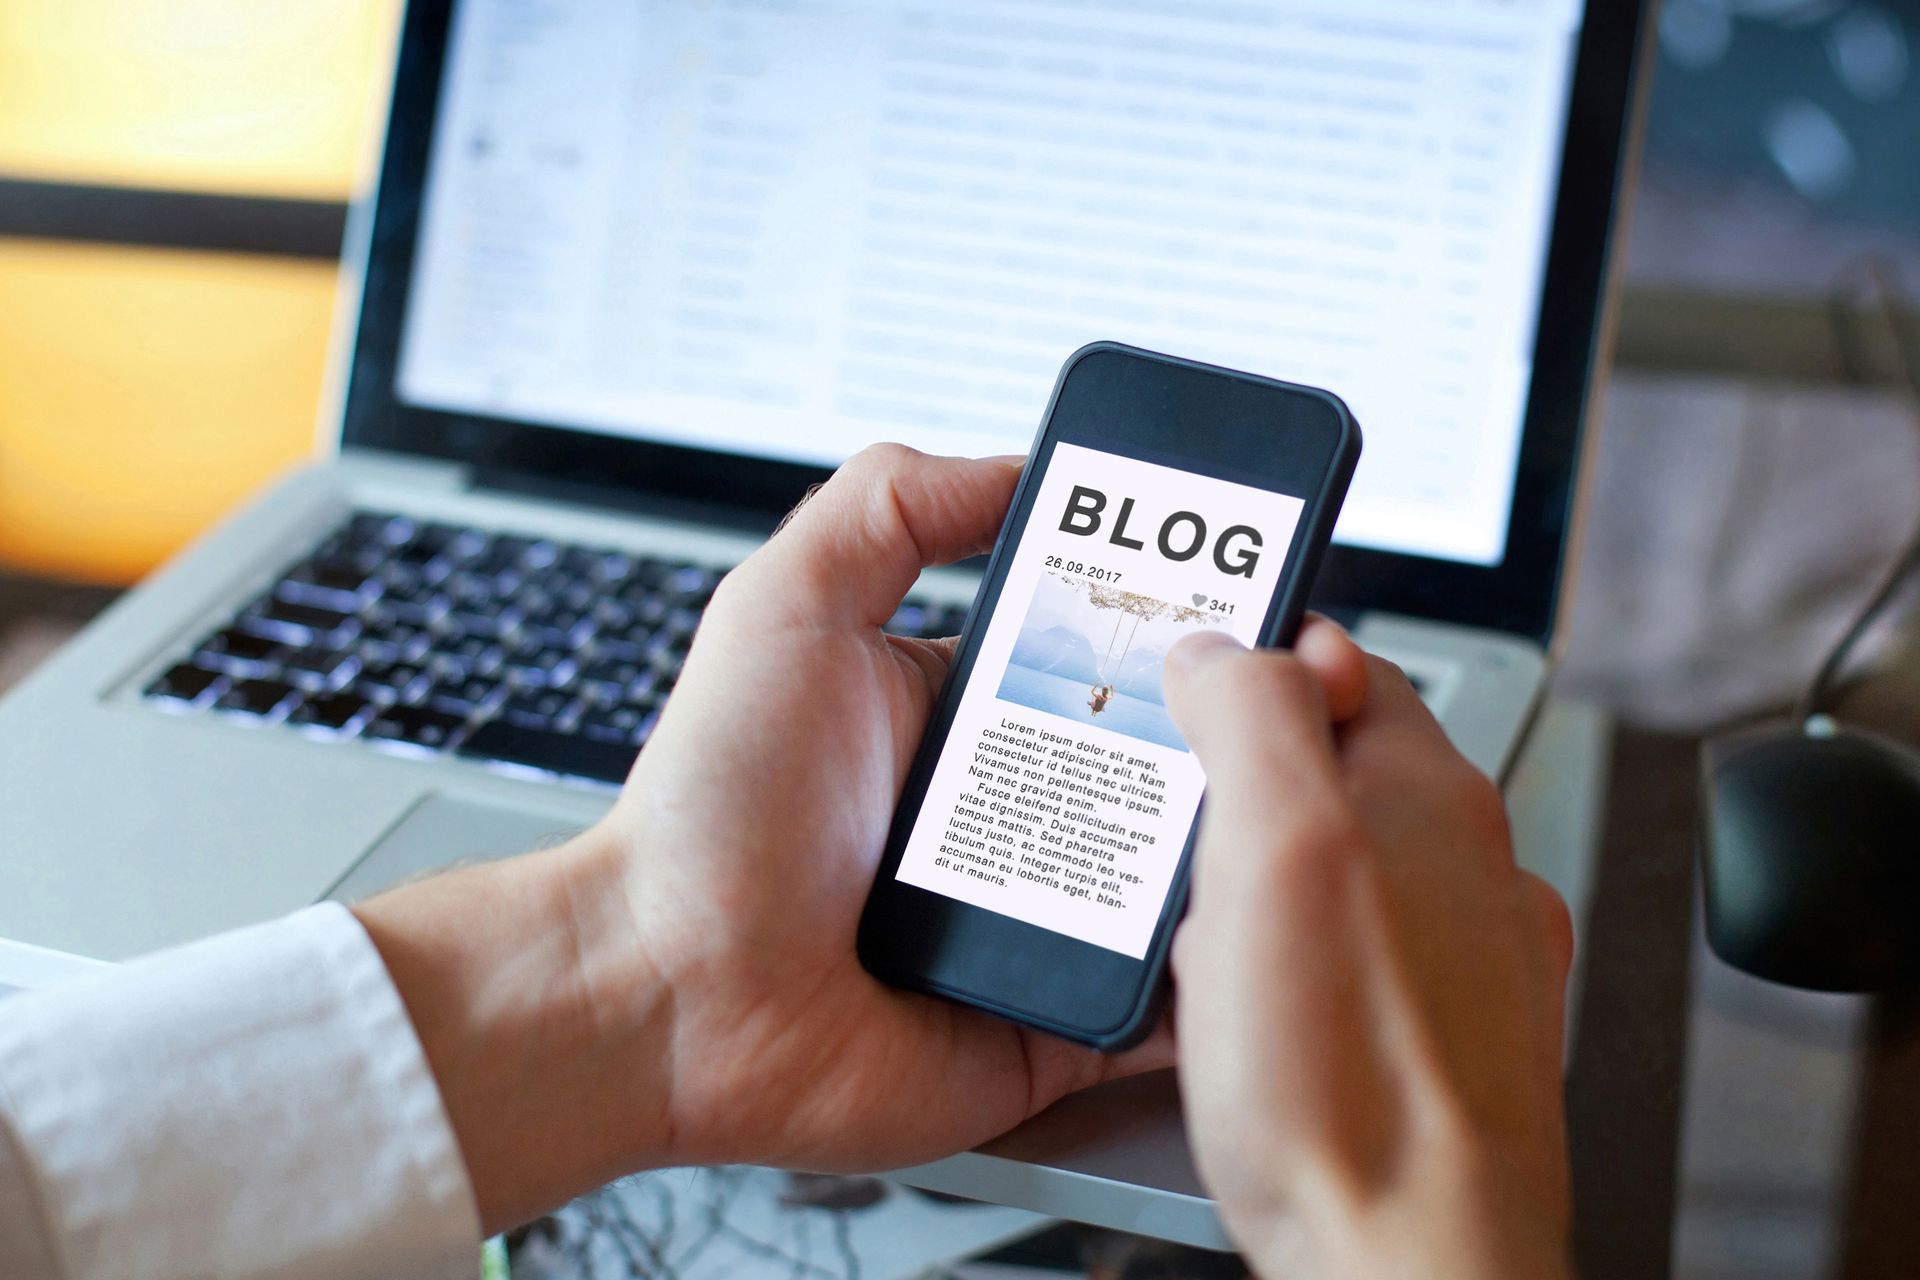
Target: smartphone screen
{"x": 1064, "y": 793}
{"x": 1036, "y": 863}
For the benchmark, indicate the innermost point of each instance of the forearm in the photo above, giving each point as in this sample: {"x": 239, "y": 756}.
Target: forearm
{"x": 544, "y": 1028}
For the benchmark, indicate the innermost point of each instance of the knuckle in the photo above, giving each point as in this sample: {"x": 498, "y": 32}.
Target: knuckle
{"x": 1554, "y": 920}
{"x": 878, "y": 460}
{"x": 1320, "y": 847}
{"x": 872, "y": 506}
{"x": 1484, "y": 811}
{"x": 739, "y": 597}
{"x": 1252, "y": 682}
{"x": 729, "y": 586}
{"x": 1387, "y": 674}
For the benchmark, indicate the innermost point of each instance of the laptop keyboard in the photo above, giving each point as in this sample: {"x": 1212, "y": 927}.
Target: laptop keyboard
{"x": 433, "y": 639}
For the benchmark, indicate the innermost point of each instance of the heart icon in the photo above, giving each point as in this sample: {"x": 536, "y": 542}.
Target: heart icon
{"x": 1199, "y": 598}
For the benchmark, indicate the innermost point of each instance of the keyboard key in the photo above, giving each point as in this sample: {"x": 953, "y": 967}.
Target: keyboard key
{"x": 615, "y": 568}
{"x": 531, "y": 597}
{"x": 615, "y": 673}
{"x": 331, "y": 584}
{"x": 447, "y": 541}
{"x": 418, "y": 726}
{"x": 378, "y": 529}
{"x": 414, "y": 611}
{"x": 681, "y": 624}
{"x": 589, "y": 563}
{"x": 426, "y": 559}
{"x": 558, "y": 627}
{"x": 336, "y": 711}
{"x": 398, "y": 683}
{"x": 648, "y": 689}
{"x": 536, "y": 665}
{"x": 691, "y": 585}
{"x": 563, "y": 753}
{"x": 468, "y": 655}
{"x": 400, "y": 581}
{"x": 318, "y": 668}
{"x": 668, "y": 661}
{"x": 541, "y": 709}
{"x": 239, "y": 652}
{"x": 300, "y": 623}
{"x": 257, "y": 697}
{"x": 466, "y": 697}
{"x": 394, "y": 642}
{"x": 469, "y": 589}
{"x": 615, "y": 615}
{"x": 503, "y": 552}
{"x": 613, "y": 724}
{"x": 650, "y": 574}
{"x": 185, "y": 683}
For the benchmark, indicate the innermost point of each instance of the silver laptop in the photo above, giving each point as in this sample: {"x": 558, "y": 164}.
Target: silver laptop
{"x": 635, "y": 275}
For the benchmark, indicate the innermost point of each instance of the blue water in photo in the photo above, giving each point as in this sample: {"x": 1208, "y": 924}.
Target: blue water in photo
{"x": 1132, "y": 716}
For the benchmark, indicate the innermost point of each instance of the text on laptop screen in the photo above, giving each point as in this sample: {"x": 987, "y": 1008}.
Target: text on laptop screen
{"x": 789, "y": 230}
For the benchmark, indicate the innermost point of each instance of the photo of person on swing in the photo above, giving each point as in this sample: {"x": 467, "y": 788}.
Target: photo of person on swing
{"x": 1093, "y": 654}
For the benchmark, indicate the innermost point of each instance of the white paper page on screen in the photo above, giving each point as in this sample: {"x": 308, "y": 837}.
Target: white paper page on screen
{"x": 1064, "y": 793}
{"x": 793, "y": 230}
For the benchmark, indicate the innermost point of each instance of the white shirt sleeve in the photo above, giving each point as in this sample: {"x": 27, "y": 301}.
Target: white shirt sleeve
{"x": 253, "y": 1105}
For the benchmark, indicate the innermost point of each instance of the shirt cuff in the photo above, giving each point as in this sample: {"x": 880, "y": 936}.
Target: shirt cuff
{"x": 256, "y": 1104}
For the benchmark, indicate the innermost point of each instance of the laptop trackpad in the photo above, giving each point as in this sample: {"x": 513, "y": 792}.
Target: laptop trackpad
{"x": 441, "y": 831}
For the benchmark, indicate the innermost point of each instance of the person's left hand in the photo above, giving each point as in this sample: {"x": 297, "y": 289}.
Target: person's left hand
{"x": 752, "y": 825}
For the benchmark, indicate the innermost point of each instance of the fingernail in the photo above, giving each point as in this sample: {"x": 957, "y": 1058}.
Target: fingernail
{"x": 1014, "y": 460}
{"x": 1201, "y": 647}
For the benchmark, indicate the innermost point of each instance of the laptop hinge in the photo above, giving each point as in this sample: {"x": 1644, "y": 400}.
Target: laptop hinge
{"x": 756, "y": 522}
{"x": 409, "y": 469}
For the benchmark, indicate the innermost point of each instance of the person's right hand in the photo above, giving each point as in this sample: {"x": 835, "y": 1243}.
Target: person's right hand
{"x": 1370, "y": 993}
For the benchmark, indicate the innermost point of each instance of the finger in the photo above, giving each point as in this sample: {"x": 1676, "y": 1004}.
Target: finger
{"x": 1389, "y": 694}
{"x": 851, "y": 552}
{"x": 1392, "y": 731}
{"x": 942, "y": 648}
{"x": 1059, "y": 1068}
{"x": 932, "y": 657}
{"x": 1253, "y": 719}
{"x": 1330, "y": 653}
{"x": 1257, "y": 722}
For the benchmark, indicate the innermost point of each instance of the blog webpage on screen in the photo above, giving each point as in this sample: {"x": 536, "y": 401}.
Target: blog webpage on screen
{"x": 1064, "y": 794}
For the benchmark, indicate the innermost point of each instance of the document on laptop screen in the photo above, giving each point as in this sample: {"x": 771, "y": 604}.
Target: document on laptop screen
{"x": 793, "y": 229}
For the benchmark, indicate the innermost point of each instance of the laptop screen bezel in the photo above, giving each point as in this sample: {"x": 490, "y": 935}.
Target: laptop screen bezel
{"x": 1519, "y": 594}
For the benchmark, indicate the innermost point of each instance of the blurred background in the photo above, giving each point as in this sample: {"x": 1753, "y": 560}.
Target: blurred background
{"x": 174, "y": 181}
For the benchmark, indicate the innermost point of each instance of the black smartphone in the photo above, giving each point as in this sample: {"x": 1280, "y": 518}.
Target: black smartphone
{"x": 1036, "y": 865}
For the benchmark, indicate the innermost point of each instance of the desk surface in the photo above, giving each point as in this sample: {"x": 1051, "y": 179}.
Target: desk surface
{"x": 1117, "y": 1155}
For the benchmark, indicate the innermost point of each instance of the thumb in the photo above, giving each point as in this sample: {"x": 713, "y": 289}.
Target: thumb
{"x": 853, "y": 548}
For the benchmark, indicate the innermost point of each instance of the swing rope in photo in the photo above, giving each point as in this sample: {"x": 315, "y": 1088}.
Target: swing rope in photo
{"x": 1143, "y": 609}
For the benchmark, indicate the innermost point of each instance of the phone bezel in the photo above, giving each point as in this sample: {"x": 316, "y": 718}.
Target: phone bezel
{"x": 1118, "y": 399}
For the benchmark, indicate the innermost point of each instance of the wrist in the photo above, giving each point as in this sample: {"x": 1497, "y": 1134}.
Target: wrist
{"x": 542, "y": 1020}
{"x": 1455, "y": 1213}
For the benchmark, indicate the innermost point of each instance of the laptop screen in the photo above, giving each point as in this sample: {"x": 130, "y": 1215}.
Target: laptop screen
{"x": 788, "y": 229}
